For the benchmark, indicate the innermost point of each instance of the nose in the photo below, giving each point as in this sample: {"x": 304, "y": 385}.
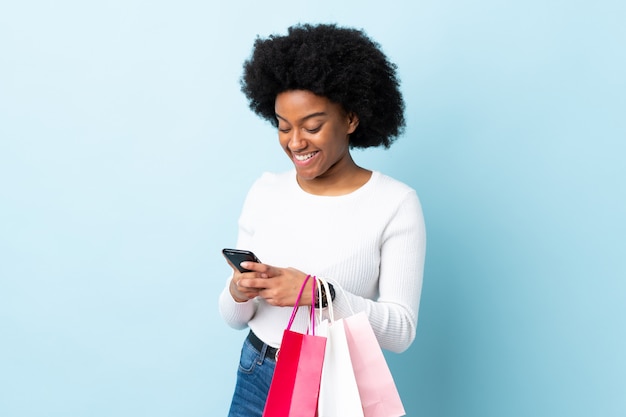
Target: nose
{"x": 296, "y": 141}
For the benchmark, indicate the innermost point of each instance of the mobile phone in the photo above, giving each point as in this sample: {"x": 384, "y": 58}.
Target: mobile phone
{"x": 237, "y": 256}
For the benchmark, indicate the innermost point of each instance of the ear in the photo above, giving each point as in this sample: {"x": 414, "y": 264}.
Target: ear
{"x": 353, "y": 122}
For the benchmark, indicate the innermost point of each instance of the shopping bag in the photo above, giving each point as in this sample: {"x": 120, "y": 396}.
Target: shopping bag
{"x": 294, "y": 389}
{"x": 339, "y": 394}
{"x": 378, "y": 392}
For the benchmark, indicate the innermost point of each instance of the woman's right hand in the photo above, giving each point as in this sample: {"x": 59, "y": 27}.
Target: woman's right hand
{"x": 239, "y": 293}
{"x": 277, "y": 286}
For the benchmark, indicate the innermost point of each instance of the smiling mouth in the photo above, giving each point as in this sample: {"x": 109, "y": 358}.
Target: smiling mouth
{"x": 305, "y": 157}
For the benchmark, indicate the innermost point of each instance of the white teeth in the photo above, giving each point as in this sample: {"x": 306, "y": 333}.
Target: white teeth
{"x": 305, "y": 156}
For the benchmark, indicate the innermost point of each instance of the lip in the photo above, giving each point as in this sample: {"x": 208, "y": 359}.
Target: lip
{"x": 304, "y": 158}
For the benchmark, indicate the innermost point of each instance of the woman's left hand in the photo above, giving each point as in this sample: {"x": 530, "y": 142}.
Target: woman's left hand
{"x": 278, "y": 286}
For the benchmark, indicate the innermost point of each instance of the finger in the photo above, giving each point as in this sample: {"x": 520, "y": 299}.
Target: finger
{"x": 265, "y": 270}
{"x": 254, "y": 283}
{"x": 254, "y": 266}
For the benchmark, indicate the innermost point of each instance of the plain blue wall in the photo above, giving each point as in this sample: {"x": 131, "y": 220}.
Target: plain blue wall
{"x": 126, "y": 150}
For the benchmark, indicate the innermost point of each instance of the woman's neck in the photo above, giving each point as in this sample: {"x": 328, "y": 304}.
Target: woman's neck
{"x": 348, "y": 180}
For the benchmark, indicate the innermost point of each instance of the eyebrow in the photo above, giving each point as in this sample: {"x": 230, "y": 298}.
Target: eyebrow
{"x": 307, "y": 117}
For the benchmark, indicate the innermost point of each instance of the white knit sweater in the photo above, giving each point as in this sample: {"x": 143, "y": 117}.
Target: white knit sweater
{"x": 370, "y": 242}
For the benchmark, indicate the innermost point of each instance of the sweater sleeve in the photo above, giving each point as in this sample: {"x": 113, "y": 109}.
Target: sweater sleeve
{"x": 234, "y": 313}
{"x": 393, "y": 315}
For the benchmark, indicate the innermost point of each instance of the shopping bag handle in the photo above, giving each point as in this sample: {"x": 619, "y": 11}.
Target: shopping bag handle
{"x": 331, "y": 314}
{"x": 296, "y": 306}
{"x": 336, "y": 286}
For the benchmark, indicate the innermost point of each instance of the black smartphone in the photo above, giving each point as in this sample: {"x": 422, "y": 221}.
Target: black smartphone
{"x": 237, "y": 256}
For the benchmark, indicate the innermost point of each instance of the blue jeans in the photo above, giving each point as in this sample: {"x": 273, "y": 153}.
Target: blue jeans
{"x": 254, "y": 377}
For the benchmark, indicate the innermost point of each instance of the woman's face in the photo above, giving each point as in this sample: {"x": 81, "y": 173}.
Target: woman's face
{"x": 314, "y": 132}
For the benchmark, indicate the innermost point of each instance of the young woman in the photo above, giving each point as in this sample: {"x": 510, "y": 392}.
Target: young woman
{"x": 327, "y": 89}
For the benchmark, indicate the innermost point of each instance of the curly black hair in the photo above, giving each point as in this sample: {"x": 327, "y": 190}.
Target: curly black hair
{"x": 341, "y": 64}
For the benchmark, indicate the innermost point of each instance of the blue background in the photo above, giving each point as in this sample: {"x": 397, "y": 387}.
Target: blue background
{"x": 126, "y": 150}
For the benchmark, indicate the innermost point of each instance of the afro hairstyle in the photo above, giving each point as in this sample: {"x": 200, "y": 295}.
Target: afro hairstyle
{"x": 341, "y": 64}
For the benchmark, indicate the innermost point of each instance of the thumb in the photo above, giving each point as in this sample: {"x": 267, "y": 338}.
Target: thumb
{"x": 271, "y": 272}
